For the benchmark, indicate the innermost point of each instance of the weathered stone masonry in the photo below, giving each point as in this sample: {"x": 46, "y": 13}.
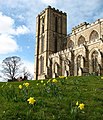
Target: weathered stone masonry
{"x": 76, "y": 54}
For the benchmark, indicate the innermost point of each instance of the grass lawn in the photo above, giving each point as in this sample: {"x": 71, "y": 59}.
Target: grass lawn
{"x": 55, "y": 100}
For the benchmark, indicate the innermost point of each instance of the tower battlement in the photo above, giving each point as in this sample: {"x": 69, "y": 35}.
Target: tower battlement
{"x": 55, "y": 10}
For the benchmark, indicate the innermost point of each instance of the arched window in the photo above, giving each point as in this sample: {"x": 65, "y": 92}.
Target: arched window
{"x": 81, "y": 40}
{"x": 78, "y": 62}
{"x": 41, "y": 65}
{"x": 94, "y": 58}
{"x": 42, "y": 44}
{"x": 70, "y": 44}
{"x": 56, "y": 68}
{"x": 43, "y": 24}
{"x": 56, "y": 24}
{"x": 55, "y": 45}
{"x": 93, "y": 36}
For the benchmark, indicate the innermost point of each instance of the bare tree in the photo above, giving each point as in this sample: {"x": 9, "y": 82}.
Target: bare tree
{"x": 26, "y": 74}
{"x": 11, "y": 67}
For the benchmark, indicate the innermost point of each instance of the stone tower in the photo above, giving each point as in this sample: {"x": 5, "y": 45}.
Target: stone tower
{"x": 51, "y": 29}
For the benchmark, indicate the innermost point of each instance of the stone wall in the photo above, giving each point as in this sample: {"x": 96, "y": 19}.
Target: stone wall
{"x": 83, "y": 53}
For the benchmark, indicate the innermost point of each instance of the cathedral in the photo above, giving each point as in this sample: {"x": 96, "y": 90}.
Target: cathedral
{"x": 57, "y": 53}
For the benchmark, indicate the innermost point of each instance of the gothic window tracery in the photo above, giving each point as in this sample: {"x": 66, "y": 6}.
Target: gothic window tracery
{"x": 43, "y": 20}
{"x": 42, "y": 44}
{"x": 55, "y": 44}
{"x": 94, "y": 57}
{"x": 49, "y": 71}
{"x": 81, "y": 41}
{"x": 78, "y": 61}
{"x": 56, "y": 24}
{"x": 93, "y": 36}
{"x": 41, "y": 64}
{"x": 56, "y": 68}
{"x": 70, "y": 44}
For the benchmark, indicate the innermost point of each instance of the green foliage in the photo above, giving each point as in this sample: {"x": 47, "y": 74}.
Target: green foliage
{"x": 54, "y": 100}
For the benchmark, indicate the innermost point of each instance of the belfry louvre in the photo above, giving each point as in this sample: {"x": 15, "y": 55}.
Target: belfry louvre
{"x": 79, "y": 53}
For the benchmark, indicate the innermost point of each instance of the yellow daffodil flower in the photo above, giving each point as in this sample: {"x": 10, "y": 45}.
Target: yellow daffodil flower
{"x": 54, "y": 81}
{"x": 41, "y": 81}
{"x": 44, "y": 84}
{"x": 31, "y": 100}
{"x": 62, "y": 77}
{"x": 20, "y": 86}
{"x": 101, "y": 77}
{"x": 81, "y": 106}
{"x": 77, "y": 103}
{"x": 66, "y": 78}
{"x": 26, "y": 84}
{"x": 37, "y": 84}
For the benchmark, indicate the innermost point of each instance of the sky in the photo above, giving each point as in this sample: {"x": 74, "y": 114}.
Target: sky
{"x": 18, "y": 23}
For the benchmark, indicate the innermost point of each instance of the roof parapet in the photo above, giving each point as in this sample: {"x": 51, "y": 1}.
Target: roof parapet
{"x": 84, "y": 26}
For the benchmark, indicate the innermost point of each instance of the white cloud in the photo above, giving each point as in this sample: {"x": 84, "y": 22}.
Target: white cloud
{"x": 78, "y": 10}
{"x": 22, "y": 30}
{"x": 8, "y": 31}
{"x": 7, "y": 26}
{"x": 20, "y": 17}
{"x": 7, "y": 44}
{"x": 47, "y": 2}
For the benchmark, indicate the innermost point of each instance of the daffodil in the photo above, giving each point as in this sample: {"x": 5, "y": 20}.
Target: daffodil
{"x": 44, "y": 84}
{"x": 20, "y": 86}
{"x": 101, "y": 77}
{"x": 26, "y": 84}
{"x": 81, "y": 106}
{"x": 31, "y": 100}
{"x": 77, "y": 103}
{"x": 66, "y": 78}
{"x": 54, "y": 81}
{"x": 37, "y": 84}
{"x": 41, "y": 81}
{"x": 62, "y": 77}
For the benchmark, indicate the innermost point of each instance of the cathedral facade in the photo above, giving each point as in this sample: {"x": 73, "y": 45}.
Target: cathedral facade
{"x": 58, "y": 54}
